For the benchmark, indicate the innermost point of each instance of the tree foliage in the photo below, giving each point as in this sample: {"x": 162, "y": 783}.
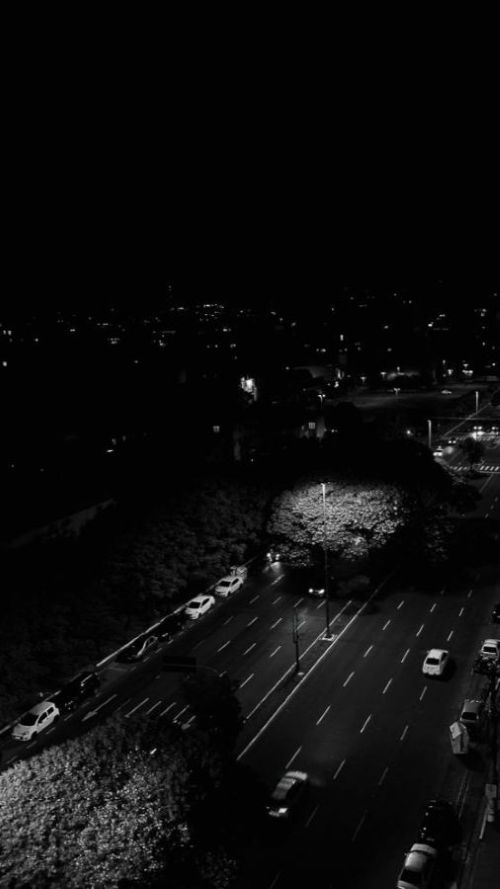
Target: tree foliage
{"x": 105, "y": 808}
{"x": 360, "y": 517}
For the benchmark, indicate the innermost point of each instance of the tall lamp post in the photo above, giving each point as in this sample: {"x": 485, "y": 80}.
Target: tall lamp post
{"x": 477, "y": 400}
{"x": 327, "y": 636}
{"x": 429, "y": 434}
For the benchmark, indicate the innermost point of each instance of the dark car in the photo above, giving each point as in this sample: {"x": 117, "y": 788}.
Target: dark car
{"x": 440, "y": 826}
{"x": 495, "y": 614}
{"x": 288, "y": 795}
{"x": 84, "y": 685}
{"x": 139, "y": 649}
{"x": 171, "y": 625}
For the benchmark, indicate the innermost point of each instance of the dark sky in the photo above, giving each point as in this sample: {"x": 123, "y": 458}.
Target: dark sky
{"x": 120, "y": 180}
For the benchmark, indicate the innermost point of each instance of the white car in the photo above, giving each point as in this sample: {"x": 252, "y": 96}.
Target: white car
{"x": 490, "y": 649}
{"x": 35, "y": 721}
{"x": 228, "y": 585}
{"x": 198, "y": 606}
{"x": 418, "y": 867}
{"x": 446, "y": 392}
{"x": 435, "y": 662}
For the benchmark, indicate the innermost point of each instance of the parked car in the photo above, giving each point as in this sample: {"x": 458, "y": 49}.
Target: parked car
{"x": 472, "y": 715}
{"x": 228, "y": 585}
{"x": 440, "y": 826}
{"x": 288, "y": 795}
{"x": 446, "y": 392}
{"x": 435, "y": 662}
{"x": 495, "y": 614}
{"x": 35, "y": 721}
{"x": 139, "y": 649}
{"x": 490, "y": 649}
{"x": 77, "y": 690}
{"x": 171, "y": 625}
{"x": 198, "y": 606}
{"x": 418, "y": 867}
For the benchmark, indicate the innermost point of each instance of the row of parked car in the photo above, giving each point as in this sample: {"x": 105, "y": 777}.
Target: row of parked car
{"x": 438, "y": 835}
{"x": 44, "y": 714}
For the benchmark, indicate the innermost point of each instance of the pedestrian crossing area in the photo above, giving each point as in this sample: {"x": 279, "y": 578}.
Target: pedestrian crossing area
{"x": 481, "y": 467}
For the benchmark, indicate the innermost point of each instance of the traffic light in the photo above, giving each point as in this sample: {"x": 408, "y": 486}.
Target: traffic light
{"x": 177, "y": 663}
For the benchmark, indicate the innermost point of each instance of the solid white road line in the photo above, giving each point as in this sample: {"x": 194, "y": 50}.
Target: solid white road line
{"x": 368, "y": 651}
{"x": 168, "y": 708}
{"x": 387, "y": 686}
{"x": 250, "y": 622}
{"x": 122, "y": 705}
{"x": 420, "y": 630}
{"x": 321, "y": 718}
{"x": 348, "y": 679}
{"x": 404, "y": 733}
{"x": 367, "y": 720}
{"x": 250, "y": 648}
{"x": 293, "y": 757}
{"x": 273, "y": 882}
{"x": 405, "y": 655}
{"x": 311, "y": 816}
{"x": 135, "y": 708}
{"x": 386, "y": 624}
{"x": 383, "y": 776}
{"x": 275, "y": 650}
{"x": 158, "y": 704}
{"x": 360, "y": 825}
{"x": 246, "y": 680}
{"x": 339, "y": 769}
{"x": 223, "y": 646}
{"x": 275, "y": 624}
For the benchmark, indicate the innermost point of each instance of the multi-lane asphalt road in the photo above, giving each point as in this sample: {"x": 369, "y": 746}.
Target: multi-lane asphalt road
{"x": 359, "y": 718}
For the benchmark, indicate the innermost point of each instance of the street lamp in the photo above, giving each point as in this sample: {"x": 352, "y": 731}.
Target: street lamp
{"x": 429, "y": 434}
{"x": 327, "y": 635}
{"x": 477, "y": 401}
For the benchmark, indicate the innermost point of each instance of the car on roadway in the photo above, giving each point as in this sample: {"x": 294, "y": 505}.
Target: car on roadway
{"x": 472, "y": 715}
{"x": 438, "y": 451}
{"x": 490, "y": 649}
{"x": 198, "y": 606}
{"x": 452, "y": 440}
{"x": 440, "y": 825}
{"x": 228, "y": 585}
{"x": 435, "y": 662}
{"x": 495, "y": 614}
{"x": 317, "y": 592}
{"x": 35, "y": 721}
{"x": 418, "y": 867}
{"x": 446, "y": 392}
{"x": 288, "y": 796}
{"x": 139, "y": 649}
{"x": 82, "y": 686}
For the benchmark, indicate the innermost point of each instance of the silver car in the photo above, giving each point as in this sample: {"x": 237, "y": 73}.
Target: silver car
{"x": 35, "y": 721}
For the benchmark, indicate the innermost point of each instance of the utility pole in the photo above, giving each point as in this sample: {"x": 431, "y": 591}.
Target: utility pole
{"x": 296, "y": 639}
{"x": 327, "y": 635}
{"x": 429, "y": 434}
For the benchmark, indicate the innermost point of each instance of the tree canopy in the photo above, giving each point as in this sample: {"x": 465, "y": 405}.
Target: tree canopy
{"x": 127, "y": 801}
{"x": 360, "y": 517}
